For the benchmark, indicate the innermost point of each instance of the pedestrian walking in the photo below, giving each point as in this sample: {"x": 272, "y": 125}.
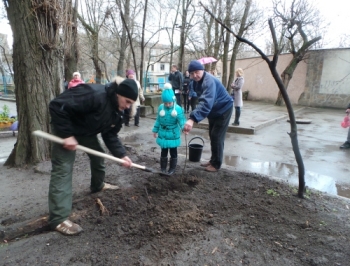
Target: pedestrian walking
{"x": 134, "y": 111}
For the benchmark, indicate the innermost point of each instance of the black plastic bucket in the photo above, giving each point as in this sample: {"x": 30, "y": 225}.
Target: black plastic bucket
{"x": 195, "y": 150}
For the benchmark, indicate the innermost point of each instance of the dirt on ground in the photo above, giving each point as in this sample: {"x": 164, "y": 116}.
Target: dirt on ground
{"x": 191, "y": 218}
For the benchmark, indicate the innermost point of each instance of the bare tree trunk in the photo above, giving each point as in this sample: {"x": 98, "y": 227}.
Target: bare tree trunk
{"x": 71, "y": 54}
{"x": 183, "y": 30}
{"x": 241, "y": 30}
{"x": 95, "y": 57}
{"x": 92, "y": 25}
{"x": 225, "y": 74}
{"x": 143, "y": 43}
{"x": 124, "y": 37}
{"x": 286, "y": 76}
{"x": 38, "y": 68}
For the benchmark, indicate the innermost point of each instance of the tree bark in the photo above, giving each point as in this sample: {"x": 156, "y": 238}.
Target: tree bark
{"x": 229, "y": 4}
{"x": 143, "y": 44}
{"x": 38, "y": 68}
{"x": 124, "y": 37}
{"x": 242, "y": 29}
{"x": 71, "y": 55}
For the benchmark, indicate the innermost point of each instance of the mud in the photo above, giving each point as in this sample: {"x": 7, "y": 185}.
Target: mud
{"x": 191, "y": 218}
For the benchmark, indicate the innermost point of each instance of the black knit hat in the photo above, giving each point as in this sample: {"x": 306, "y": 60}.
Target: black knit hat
{"x": 128, "y": 88}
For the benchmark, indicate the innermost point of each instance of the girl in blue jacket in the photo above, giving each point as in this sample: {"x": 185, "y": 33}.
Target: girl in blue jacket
{"x": 167, "y": 128}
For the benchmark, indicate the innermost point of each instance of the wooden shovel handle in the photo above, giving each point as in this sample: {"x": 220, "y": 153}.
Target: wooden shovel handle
{"x": 56, "y": 139}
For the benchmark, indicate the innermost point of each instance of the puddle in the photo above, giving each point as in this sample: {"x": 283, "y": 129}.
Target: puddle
{"x": 290, "y": 173}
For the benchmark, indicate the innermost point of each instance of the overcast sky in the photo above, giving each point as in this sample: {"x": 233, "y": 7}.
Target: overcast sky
{"x": 335, "y": 11}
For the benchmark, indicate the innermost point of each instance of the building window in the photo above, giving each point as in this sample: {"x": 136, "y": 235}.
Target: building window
{"x": 152, "y": 67}
{"x": 162, "y": 67}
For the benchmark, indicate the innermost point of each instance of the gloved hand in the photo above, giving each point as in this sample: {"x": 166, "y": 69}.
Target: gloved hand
{"x": 346, "y": 122}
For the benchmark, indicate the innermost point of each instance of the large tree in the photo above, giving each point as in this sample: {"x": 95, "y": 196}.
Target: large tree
{"x": 38, "y": 71}
{"x": 71, "y": 49}
{"x": 93, "y": 17}
{"x": 243, "y": 27}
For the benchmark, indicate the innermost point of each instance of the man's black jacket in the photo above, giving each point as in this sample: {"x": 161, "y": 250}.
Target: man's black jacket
{"x": 176, "y": 80}
{"x": 87, "y": 110}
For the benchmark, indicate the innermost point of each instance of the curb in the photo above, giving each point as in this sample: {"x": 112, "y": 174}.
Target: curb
{"x": 249, "y": 130}
{"x": 7, "y": 99}
{"x": 274, "y": 120}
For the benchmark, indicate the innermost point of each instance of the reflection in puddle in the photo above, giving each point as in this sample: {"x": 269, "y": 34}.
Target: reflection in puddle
{"x": 288, "y": 172}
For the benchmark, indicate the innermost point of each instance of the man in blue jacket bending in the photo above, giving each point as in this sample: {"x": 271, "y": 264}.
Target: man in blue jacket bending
{"x": 214, "y": 103}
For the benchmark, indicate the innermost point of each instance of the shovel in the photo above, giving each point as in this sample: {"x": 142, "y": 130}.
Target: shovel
{"x": 56, "y": 139}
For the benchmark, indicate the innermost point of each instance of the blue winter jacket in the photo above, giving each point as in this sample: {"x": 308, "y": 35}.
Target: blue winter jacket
{"x": 213, "y": 100}
{"x": 168, "y": 127}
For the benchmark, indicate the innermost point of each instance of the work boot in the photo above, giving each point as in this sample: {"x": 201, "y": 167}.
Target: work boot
{"x": 173, "y": 163}
{"x": 163, "y": 164}
{"x": 68, "y": 228}
{"x": 346, "y": 145}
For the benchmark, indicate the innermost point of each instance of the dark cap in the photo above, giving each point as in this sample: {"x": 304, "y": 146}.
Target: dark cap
{"x": 195, "y": 65}
{"x": 128, "y": 88}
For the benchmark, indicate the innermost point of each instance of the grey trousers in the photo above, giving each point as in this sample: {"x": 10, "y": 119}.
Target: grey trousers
{"x": 60, "y": 189}
{"x": 348, "y": 140}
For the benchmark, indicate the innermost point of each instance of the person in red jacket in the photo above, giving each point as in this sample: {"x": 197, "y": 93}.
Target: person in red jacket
{"x": 75, "y": 81}
{"x": 346, "y": 144}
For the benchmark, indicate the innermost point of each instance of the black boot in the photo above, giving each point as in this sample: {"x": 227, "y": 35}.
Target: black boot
{"x": 163, "y": 164}
{"x": 173, "y": 163}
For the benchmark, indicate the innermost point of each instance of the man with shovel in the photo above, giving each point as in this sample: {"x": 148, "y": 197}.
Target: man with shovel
{"x": 78, "y": 116}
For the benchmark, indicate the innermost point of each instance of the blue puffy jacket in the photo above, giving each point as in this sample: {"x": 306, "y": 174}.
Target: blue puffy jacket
{"x": 168, "y": 127}
{"x": 214, "y": 99}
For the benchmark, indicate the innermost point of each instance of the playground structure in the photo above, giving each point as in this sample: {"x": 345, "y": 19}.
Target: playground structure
{"x": 7, "y": 87}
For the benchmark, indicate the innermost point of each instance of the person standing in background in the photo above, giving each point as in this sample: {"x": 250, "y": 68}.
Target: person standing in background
{"x": 346, "y": 144}
{"x": 75, "y": 81}
{"x": 175, "y": 79}
{"x": 236, "y": 87}
{"x": 135, "y": 108}
{"x": 185, "y": 91}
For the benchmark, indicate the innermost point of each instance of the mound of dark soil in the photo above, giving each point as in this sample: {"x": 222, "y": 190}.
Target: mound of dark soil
{"x": 191, "y": 218}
